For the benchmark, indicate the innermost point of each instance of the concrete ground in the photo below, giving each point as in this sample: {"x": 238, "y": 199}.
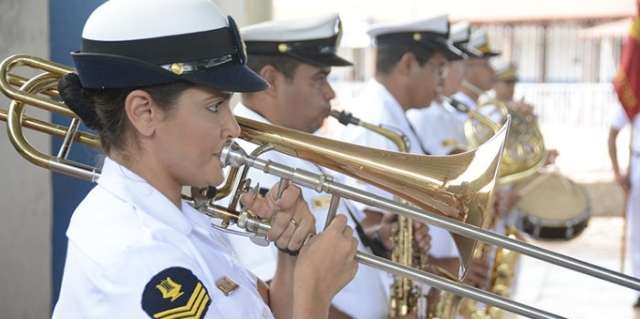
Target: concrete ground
{"x": 576, "y": 295}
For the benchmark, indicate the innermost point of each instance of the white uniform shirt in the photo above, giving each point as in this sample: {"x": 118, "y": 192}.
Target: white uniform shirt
{"x": 440, "y": 128}
{"x": 127, "y": 240}
{"x": 466, "y": 100}
{"x": 619, "y": 121}
{"x": 364, "y": 296}
{"x": 376, "y": 105}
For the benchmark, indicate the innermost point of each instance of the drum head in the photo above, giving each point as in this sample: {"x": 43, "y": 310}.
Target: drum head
{"x": 552, "y": 207}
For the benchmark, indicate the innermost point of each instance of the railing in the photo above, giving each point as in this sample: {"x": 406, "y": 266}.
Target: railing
{"x": 578, "y": 105}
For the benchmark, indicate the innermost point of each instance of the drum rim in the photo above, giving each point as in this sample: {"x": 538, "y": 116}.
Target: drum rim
{"x": 570, "y": 232}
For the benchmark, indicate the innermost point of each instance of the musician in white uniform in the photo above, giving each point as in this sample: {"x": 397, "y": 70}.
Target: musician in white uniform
{"x": 153, "y": 79}
{"x": 629, "y": 180}
{"x": 479, "y": 76}
{"x": 296, "y": 57}
{"x": 410, "y": 61}
{"x": 438, "y": 124}
{"x": 504, "y": 91}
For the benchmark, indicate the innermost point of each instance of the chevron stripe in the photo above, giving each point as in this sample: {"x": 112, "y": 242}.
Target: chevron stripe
{"x": 203, "y": 307}
{"x": 194, "y": 313}
{"x": 196, "y": 297}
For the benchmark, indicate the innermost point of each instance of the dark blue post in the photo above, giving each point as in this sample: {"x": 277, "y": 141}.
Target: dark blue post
{"x": 66, "y": 18}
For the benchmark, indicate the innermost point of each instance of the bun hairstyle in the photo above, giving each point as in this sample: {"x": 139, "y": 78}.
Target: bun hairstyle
{"x": 103, "y": 110}
{"x": 71, "y": 92}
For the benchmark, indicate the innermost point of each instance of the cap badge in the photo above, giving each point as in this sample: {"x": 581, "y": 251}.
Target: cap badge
{"x": 177, "y": 68}
{"x": 417, "y": 36}
{"x": 283, "y": 47}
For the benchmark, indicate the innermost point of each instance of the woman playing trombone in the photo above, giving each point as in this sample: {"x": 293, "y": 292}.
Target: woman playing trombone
{"x": 154, "y": 80}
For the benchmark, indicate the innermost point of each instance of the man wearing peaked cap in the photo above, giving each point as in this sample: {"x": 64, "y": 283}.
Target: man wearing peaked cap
{"x": 460, "y": 36}
{"x": 504, "y": 91}
{"x": 295, "y": 57}
{"x": 506, "y": 79}
{"x": 468, "y": 79}
{"x": 410, "y": 62}
{"x": 479, "y": 75}
{"x": 438, "y": 124}
{"x": 504, "y": 88}
{"x": 439, "y": 127}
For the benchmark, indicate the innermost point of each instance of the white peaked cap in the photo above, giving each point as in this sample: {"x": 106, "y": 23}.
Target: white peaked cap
{"x": 119, "y": 20}
{"x": 438, "y": 24}
{"x": 309, "y": 40}
{"x": 479, "y": 41}
{"x": 460, "y": 32}
{"x": 322, "y": 27}
{"x": 137, "y": 43}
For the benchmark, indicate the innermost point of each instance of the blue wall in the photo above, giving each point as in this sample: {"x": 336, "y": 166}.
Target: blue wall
{"x": 66, "y": 19}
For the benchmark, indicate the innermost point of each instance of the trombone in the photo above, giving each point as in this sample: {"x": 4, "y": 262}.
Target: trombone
{"x": 458, "y": 187}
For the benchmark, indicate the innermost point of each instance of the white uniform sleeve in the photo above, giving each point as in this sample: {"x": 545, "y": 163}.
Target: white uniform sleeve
{"x": 619, "y": 118}
{"x": 438, "y": 129}
{"x": 117, "y": 290}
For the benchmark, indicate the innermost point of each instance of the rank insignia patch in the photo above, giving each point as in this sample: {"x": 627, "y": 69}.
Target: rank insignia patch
{"x": 175, "y": 293}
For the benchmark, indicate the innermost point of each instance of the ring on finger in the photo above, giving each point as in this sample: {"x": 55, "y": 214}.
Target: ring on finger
{"x": 293, "y": 222}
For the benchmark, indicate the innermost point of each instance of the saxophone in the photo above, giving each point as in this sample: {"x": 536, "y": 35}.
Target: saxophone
{"x": 524, "y": 155}
{"x": 447, "y": 305}
{"x": 502, "y": 280}
{"x": 406, "y": 297}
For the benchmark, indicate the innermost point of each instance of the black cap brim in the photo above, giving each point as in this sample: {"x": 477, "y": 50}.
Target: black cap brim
{"x": 322, "y": 60}
{"x": 230, "y": 78}
{"x": 114, "y": 71}
{"x": 488, "y": 54}
{"x": 451, "y": 52}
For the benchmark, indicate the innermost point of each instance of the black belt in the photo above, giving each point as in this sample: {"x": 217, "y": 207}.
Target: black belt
{"x": 413, "y": 130}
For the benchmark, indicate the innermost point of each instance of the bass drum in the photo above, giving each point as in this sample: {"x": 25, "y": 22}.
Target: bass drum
{"x": 551, "y": 207}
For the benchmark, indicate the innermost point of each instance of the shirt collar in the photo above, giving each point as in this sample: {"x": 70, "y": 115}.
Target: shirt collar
{"x": 395, "y": 116}
{"x": 134, "y": 189}
{"x": 466, "y": 100}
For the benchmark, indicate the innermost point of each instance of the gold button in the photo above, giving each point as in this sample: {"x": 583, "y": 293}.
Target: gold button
{"x": 417, "y": 36}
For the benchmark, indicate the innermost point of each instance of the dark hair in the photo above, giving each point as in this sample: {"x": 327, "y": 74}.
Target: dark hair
{"x": 285, "y": 64}
{"x": 388, "y": 56}
{"x": 103, "y": 109}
